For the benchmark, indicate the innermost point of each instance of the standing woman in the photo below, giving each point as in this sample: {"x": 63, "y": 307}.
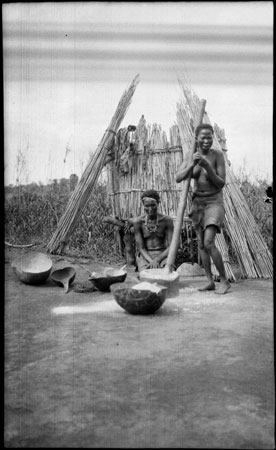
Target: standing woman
{"x": 207, "y": 168}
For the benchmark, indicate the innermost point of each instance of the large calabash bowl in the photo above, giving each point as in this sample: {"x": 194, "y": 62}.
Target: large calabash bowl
{"x": 136, "y": 301}
{"x": 104, "y": 280}
{"x": 32, "y": 268}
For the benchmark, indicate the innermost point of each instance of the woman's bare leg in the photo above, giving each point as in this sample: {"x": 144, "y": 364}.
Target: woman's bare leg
{"x": 206, "y": 261}
{"x": 213, "y": 252}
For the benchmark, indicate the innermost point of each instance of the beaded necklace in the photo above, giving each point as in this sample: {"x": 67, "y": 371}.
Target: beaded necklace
{"x": 147, "y": 226}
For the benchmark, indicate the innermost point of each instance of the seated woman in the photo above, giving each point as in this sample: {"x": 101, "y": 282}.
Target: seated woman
{"x": 153, "y": 234}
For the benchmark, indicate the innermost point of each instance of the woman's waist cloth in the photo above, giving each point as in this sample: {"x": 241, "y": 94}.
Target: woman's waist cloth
{"x": 208, "y": 197}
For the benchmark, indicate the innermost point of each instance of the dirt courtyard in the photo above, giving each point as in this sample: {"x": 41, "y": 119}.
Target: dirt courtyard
{"x": 81, "y": 372}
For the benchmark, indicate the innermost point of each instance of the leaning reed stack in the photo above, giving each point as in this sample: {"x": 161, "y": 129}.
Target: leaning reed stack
{"x": 248, "y": 242}
{"x": 84, "y": 188}
{"x": 254, "y": 257}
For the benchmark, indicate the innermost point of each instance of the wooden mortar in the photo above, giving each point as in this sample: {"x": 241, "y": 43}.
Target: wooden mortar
{"x": 164, "y": 278}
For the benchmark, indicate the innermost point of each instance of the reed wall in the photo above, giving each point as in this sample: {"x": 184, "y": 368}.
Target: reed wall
{"x": 144, "y": 159}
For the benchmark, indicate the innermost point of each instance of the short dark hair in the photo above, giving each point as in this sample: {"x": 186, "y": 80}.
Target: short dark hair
{"x": 152, "y": 194}
{"x": 203, "y": 126}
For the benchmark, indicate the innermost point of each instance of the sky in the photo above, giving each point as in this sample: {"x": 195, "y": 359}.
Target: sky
{"x": 67, "y": 64}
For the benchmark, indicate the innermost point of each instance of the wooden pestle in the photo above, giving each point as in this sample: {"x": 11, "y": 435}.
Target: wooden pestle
{"x": 182, "y": 203}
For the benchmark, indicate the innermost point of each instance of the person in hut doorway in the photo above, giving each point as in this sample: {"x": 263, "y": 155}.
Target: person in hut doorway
{"x": 207, "y": 168}
{"x": 153, "y": 234}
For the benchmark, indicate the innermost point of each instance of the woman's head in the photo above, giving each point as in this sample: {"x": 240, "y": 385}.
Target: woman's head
{"x": 151, "y": 194}
{"x": 204, "y": 126}
{"x": 150, "y": 201}
{"x": 204, "y": 135}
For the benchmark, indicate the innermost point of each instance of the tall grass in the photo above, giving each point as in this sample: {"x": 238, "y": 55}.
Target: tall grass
{"x": 33, "y": 216}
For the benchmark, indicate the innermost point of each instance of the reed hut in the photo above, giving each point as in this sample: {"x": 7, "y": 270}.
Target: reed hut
{"x": 142, "y": 157}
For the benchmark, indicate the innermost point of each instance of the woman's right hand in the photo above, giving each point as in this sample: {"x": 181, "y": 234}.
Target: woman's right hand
{"x": 196, "y": 158}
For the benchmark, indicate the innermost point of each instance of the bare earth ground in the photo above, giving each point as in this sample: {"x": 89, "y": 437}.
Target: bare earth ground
{"x": 81, "y": 372}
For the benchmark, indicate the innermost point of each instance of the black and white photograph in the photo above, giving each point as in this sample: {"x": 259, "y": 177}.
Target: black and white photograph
{"x": 138, "y": 211}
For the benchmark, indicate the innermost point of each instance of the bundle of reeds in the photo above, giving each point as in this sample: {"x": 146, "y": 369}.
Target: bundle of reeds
{"x": 90, "y": 176}
{"x": 254, "y": 257}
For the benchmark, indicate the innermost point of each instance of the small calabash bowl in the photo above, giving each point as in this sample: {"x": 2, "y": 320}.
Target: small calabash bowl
{"x": 104, "y": 280}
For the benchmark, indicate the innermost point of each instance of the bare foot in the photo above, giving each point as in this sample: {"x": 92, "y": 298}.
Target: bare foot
{"x": 223, "y": 288}
{"x": 209, "y": 287}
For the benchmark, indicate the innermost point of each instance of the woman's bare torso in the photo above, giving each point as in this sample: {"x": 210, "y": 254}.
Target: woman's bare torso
{"x": 155, "y": 239}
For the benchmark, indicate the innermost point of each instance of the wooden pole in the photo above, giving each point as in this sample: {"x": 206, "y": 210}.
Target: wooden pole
{"x": 182, "y": 203}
